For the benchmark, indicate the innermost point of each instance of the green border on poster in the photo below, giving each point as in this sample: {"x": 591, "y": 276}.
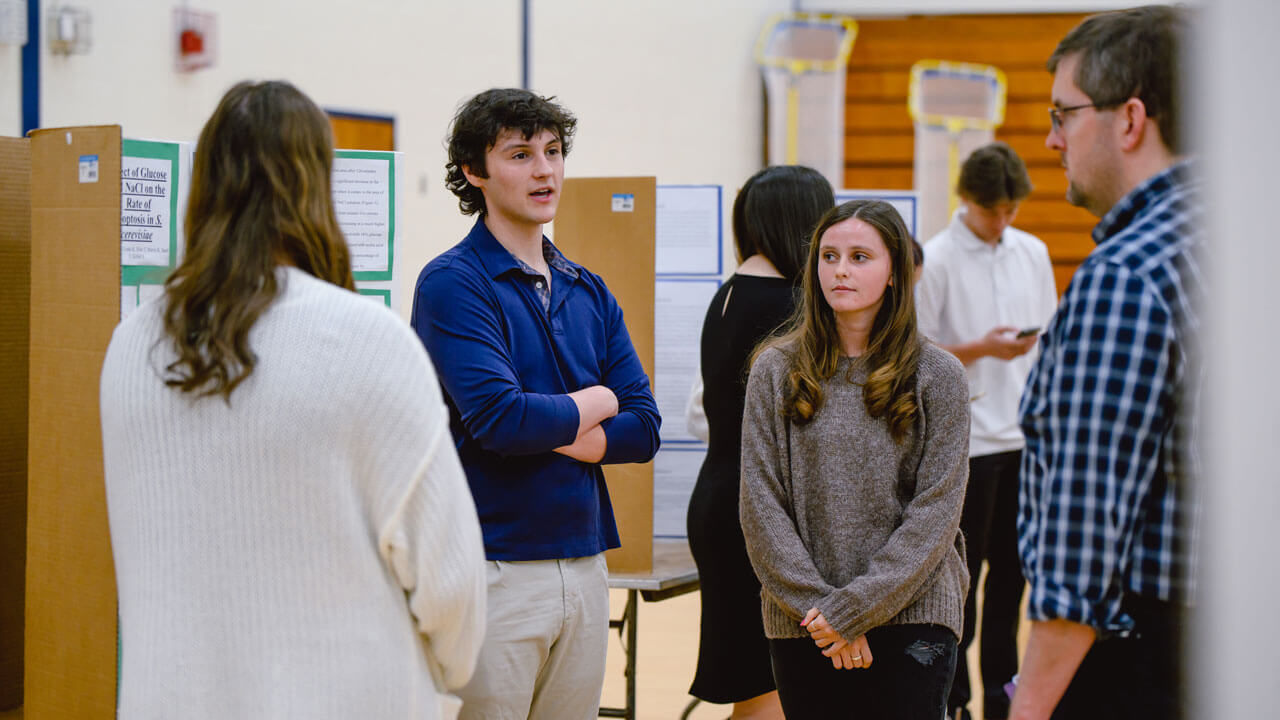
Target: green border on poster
{"x": 155, "y": 274}
{"x": 376, "y": 292}
{"x": 390, "y": 157}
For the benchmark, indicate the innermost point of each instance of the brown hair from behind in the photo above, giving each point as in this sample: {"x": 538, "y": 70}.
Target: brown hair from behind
{"x": 993, "y": 174}
{"x": 260, "y": 198}
{"x": 782, "y": 208}
{"x": 743, "y": 242}
{"x": 812, "y": 343}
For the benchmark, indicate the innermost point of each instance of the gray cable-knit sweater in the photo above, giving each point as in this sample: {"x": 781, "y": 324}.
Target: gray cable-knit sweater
{"x": 839, "y": 517}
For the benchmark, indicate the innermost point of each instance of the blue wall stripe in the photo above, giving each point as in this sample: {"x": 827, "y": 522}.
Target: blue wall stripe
{"x": 524, "y": 44}
{"x": 31, "y": 70}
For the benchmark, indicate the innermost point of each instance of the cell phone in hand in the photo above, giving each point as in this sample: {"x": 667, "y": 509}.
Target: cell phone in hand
{"x": 1028, "y": 332}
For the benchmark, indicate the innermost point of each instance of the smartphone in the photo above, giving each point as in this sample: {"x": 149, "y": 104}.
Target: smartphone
{"x": 1028, "y": 332}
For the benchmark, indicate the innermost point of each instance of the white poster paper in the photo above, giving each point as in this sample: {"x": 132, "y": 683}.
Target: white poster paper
{"x": 146, "y": 190}
{"x": 687, "y": 230}
{"x": 679, "y": 308}
{"x": 906, "y": 202}
{"x": 362, "y": 202}
{"x": 128, "y": 300}
{"x": 675, "y": 471}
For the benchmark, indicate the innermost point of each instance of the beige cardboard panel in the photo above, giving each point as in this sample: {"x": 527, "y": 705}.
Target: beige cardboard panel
{"x": 75, "y": 304}
{"x": 631, "y": 487}
{"x": 55, "y": 169}
{"x": 67, "y": 244}
{"x": 78, "y": 337}
{"x": 618, "y": 246}
{"x": 15, "y": 296}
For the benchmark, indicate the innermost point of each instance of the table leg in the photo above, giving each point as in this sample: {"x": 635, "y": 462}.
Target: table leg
{"x": 689, "y": 708}
{"x": 627, "y": 633}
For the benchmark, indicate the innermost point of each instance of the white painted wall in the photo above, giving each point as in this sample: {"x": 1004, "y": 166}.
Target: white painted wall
{"x": 1235, "y": 660}
{"x": 404, "y": 58}
{"x": 10, "y": 90}
{"x": 671, "y": 91}
{"x": 661, "y": 88}
{"x": 965, "y": 7}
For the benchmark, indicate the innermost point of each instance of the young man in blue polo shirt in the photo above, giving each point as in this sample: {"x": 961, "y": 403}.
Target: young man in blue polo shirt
{"x": 543, "y": 387}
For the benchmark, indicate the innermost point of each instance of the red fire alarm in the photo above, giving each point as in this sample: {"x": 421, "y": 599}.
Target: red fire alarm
{"x": 191, "y": 42}
{"x": 196, "y": 34}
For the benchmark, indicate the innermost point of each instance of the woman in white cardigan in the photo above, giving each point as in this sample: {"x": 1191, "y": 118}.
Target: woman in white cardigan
{"x": 292, "y": 531}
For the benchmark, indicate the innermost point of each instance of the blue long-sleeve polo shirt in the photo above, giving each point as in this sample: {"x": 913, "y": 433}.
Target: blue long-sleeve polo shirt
{"x": 507, "y": 366}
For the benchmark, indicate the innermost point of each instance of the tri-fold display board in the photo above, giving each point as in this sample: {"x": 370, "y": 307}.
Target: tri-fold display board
{"x": 607, "y": 225}
{"x": 15, "y": 298}
{"x": 91, "y": 227}
{"x": 658, "y": 250}
{"x": 71, "y": 182}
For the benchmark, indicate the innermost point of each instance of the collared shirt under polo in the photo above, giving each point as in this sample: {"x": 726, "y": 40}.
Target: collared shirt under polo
{"x": 969, "y": 287}
{"x": 507, "y": 363}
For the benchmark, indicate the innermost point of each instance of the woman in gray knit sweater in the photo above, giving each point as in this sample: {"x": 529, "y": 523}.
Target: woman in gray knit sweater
{"x": 855, "y": 447}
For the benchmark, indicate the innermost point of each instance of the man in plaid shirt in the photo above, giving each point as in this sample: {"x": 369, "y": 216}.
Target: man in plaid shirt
{"x": 1107, "y": 503}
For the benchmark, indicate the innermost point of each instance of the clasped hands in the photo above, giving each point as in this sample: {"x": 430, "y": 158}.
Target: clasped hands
{"x": 844, "y": 654}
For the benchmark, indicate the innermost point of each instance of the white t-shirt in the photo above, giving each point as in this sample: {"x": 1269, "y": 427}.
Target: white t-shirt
{"x": 969, "y": 287}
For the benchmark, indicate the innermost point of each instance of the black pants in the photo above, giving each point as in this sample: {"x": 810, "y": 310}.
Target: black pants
{"x": 1139, "y": 676}
{"x": 989, "y": 523}
{"x": 909, "y": 677}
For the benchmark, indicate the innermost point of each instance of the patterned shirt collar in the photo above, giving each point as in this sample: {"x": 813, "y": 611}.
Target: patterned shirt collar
{"x": 1174, "y": 180}
{"x": 497, "y": 260}
{"x": 556, "y": 261}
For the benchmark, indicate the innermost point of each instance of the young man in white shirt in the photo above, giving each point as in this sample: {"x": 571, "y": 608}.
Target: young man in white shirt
{"x": 986, "y": 291}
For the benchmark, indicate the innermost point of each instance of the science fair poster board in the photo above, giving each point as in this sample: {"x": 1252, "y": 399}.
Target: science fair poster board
{"x": 156, "y": 182}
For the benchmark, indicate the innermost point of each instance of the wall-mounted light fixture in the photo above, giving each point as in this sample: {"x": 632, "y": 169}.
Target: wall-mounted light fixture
{"x": 69, "y": 30}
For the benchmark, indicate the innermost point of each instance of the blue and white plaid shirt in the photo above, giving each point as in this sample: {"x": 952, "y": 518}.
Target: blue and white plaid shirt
{"x": 1107, "y": 503}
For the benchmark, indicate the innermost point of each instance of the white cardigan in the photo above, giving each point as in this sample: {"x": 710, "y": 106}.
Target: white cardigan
{"x": 311, "y": 550}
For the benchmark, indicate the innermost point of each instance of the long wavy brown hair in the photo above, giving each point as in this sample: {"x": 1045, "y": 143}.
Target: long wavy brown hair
{"x": 260, "y": 198}
{"x": 812, "y": 344}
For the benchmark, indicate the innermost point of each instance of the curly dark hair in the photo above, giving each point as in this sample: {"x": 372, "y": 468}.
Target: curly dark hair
{"x": 477, "y": 125}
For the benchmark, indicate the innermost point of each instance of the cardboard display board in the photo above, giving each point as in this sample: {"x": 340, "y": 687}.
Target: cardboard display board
{"x": 15, "y": 293}
{"x": 66, "y": 194}
{"x": 75, "y": 304}
{"x": 607, "y": 224}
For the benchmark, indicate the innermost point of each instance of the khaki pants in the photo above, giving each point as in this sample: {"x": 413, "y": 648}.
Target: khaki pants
{"x": 545, "y": 642}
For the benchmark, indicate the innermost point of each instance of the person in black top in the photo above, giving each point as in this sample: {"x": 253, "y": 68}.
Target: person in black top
{"x": 773, "y": 216}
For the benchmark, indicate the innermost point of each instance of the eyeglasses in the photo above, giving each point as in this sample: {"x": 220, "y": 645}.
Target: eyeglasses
{"x": 1056, "y": 113}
